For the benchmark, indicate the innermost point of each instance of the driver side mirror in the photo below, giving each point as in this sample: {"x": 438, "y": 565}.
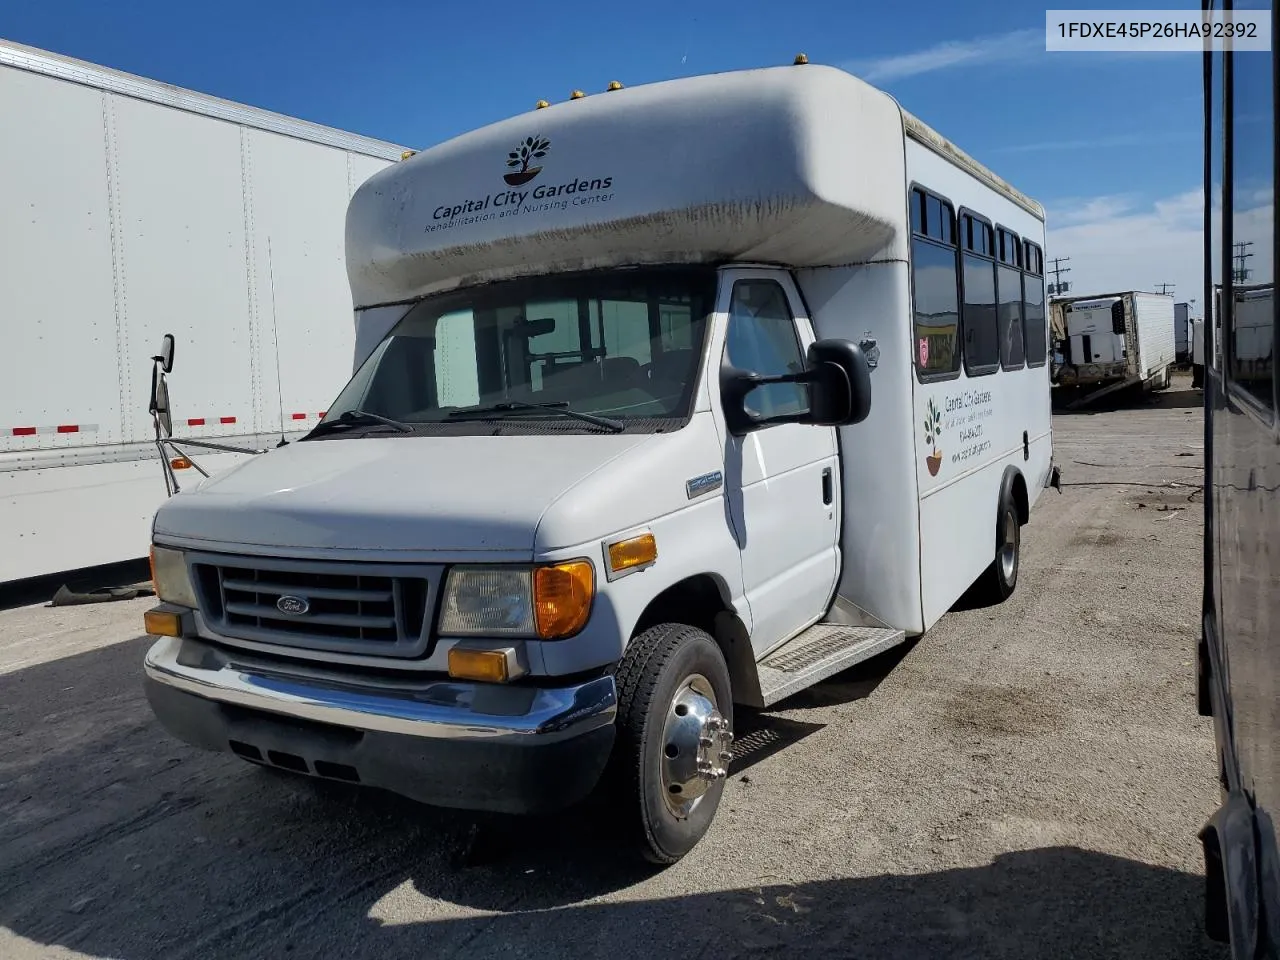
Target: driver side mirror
{"x": 165, "y": 356}
{"x": 838, "y": 377}
{"x": 159, "y": 406}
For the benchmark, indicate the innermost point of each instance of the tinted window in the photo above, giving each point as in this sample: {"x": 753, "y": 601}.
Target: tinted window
{"x": 1009, "y": 315}
{"x": 936, "y": 299}
{"x": 933, "y": 216}
{"x": 1031, "y": 258}
{"x": 762, "y": 338}
{"x": 946, "y": 231}
{"x": 1009, "y": 248}
{"x": 1033, "y": 316}
{"x": 981, "y": 340}
{"x": 1251, "y": 342}
{"x": 917, "y": 211}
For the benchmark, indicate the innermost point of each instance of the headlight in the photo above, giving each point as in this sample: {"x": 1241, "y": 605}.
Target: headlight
{"x": 169, "y": 574}
{"x": 548, "y": 602}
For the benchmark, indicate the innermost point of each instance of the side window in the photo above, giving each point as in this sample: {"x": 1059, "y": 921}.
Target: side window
{"x": 935, "y": 287}
{"x": 1009, "y": 316}
{"x": 546, "y": 352}
{"x": 1250, "y": 337}
{"x": 675, "y": 326}
{"x": 626, "y": 329}
{"x": 762, "y": 338}
{"x": 457, "y": 379}
{"x": 1036, "y": 338}
{"x": 978, "y": 313}
{"x": 1009, "y": 299}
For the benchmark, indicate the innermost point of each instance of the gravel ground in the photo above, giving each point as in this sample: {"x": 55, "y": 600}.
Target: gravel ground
{"x": 1024, "y": 781}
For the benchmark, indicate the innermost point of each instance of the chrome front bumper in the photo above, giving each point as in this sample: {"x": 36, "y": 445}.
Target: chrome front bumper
{"x": 512, "y": 748}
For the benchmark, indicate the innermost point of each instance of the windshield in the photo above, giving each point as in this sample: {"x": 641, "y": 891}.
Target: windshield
{"x": 624, "y": 345}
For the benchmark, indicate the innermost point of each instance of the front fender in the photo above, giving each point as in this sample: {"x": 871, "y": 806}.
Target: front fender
{"x": 696, "y": 540}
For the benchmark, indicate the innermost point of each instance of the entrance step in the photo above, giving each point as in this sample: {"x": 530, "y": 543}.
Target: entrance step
{"x": 820, "y": 652}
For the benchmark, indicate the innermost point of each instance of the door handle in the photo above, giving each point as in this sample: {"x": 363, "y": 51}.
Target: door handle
{"x": 826, "y": 486}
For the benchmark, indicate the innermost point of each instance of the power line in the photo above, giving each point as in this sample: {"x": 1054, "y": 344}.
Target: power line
{"x": 1059, "y": 286}
{"x": 1165, "y": 288}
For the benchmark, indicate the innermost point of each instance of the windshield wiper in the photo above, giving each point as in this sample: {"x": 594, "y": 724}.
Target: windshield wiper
{"x": 560, "y": 407}
{"x": 356, "y": 418}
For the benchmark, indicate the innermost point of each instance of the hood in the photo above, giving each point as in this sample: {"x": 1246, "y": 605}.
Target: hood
{"x": 413, "y": 494}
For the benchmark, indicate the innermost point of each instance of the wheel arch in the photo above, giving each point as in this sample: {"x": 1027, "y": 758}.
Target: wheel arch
{"x": 702, "y": 600}
{"x": 1014, "y": 485}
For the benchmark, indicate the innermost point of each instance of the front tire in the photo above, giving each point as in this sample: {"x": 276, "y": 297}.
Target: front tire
{"x": 674, "y": 737}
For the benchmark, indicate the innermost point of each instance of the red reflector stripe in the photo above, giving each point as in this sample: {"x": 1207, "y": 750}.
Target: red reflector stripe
{"x": 226, "y": 419}
{"x": 323, "y": 413}
{"x": 196, "y": 422}
{"x": 299, "y": 416}
{"x": 24, "y": 431}
{"x": 68, "y": 428}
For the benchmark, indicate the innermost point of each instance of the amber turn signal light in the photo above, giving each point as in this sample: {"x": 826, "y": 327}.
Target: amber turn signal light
{"x": 562, "y": 597}
{"x": 162, "y": 623}
{"x": 633, "y": 552}
{"x": 488, "y": 666}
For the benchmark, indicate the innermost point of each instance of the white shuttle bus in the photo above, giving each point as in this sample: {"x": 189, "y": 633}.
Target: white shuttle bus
{"x": 667, "y": 402}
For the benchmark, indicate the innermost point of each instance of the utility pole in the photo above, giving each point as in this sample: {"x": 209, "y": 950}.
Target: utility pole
{"x": 1165, "y": 288}
{"x": 1059, "y": 286}
{"x": 1241, "y": 273}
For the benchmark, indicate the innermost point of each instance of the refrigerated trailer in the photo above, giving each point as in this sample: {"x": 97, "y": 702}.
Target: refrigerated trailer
{"x": 128, "y": 209}
{"x": 646, "y": 424}
{"x": 1115, "y": 341}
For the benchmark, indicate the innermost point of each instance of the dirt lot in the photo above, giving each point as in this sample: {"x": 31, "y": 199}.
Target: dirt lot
{"x": 1025, "y": 781}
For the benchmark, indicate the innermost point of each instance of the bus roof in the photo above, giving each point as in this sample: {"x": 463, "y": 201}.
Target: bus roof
{"x": 802, "y": 166}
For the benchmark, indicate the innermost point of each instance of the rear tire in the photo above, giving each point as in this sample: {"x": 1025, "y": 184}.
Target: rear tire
{"x": 674, "y": 736}
{"x": 1001, "y": 578}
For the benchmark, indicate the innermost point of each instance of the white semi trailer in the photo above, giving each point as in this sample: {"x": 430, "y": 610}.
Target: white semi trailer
{"x": 1115, "y": 341}
{"x": 128, "y": 209}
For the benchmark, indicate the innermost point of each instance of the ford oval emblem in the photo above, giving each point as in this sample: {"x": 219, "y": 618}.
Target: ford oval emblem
{"x": 293, "y": 606}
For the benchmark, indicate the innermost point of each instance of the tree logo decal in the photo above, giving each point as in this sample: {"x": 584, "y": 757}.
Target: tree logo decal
{"x": 932, "y": 431}
{"x": 529, "y": 150}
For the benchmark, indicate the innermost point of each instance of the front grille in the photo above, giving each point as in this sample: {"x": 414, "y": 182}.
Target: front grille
{"x": 359, "y": 608}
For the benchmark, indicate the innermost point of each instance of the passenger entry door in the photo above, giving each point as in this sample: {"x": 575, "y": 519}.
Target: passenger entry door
{"x": 781, "y": 481}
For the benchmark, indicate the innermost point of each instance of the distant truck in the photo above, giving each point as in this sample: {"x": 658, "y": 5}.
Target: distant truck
{"x": 1115, "y": 341}
{"x": 1197, "y": 352}
{"x": 134, "y": 208}
{"x": 1182, "y": 333}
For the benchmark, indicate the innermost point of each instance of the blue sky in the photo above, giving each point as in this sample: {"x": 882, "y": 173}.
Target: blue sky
{"x": 1110, "y": 143}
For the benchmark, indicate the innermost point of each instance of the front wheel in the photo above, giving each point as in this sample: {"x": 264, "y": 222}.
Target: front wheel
{"x": 674, "y": 738}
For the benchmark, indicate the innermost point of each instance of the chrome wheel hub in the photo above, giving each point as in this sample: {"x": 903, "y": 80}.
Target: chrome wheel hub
{"x": 696, "y": 745}
{"x": 1009, "y": 546}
